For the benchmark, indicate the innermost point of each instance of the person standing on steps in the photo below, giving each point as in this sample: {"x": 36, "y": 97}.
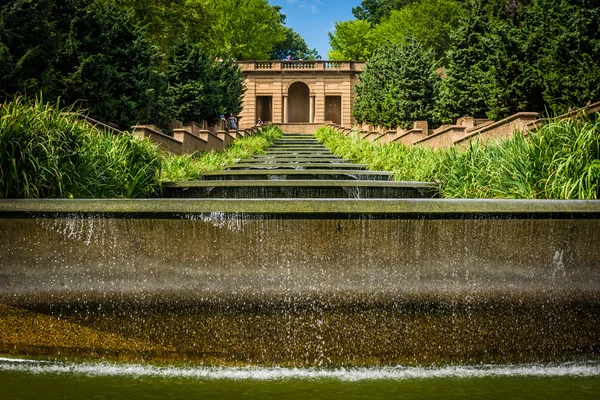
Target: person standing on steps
{"x": 233, "y": 122}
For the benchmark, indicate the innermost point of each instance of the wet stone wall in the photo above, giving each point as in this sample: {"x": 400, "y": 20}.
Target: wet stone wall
{"x": 222, "y": 289}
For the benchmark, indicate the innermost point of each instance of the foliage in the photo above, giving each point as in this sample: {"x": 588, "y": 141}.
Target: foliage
{"x": 463, "y": 90}
{"x": 293, "y": 47}
{"x": 106, "y": 63}
{"x": 351, "y": 40}
{"x": 29, "y": 43}
{"x": 375, "y": 11}
{"x": 563, "y": 41}
{"x": 398, "y": 86}
{"x": 47, "y": 153}
{"x": 430, "y": 21}
{"x": 197, "y": 87}
{"x": 95, "y": 54}
{"x": 243, "y": 30}
{"x": 559, "y": 161}
{"x": 189, "y": 167}
{"x": 167, "y": 20}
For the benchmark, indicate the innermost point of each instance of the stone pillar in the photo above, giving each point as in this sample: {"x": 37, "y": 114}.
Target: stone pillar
{"x": 311, "y": 117}
{"x": 285, "y": 109}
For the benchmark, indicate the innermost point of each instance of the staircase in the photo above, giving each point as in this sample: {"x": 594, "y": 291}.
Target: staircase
{"x": 298, "y": 166}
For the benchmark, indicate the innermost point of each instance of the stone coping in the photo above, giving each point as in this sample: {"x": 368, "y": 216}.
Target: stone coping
{"x": 424, "y": 207}
{"x": 298, "y": 152}
{"x": 407, "y": 133}
{"x": 443, "y": 131}
{"x": 521, "y": 115}
{"x": 421, "y": 208}
{"x": 155, "y": 132}
{"x": 294, "y": 156}
{"x": 301, "y": 183}
{"x": 296, "y": 164}
{"x": 297, "y": 172}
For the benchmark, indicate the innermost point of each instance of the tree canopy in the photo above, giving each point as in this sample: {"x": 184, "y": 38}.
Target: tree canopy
{"x": 399, "y": 85}
{"x": 293, "y": 47}
{"x": 499, "y": 57}
{"x": 135, "y": 61}
{"x": 352, "y": 40}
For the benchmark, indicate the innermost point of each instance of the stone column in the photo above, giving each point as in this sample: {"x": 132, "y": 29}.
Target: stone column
{"x": 285, "y": 109}
{"x": 311, "y": 118}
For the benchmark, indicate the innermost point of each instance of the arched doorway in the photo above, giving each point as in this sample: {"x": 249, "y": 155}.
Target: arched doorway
{"x": 298, "y": 102}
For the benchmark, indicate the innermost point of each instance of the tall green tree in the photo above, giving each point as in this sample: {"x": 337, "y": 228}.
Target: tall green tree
{"x": 462, "y": 90}
{"x": 107, "y": 64}
{"x": 562, "y": 41}
{"x": 375, "y": 11}
{"x": 294, "y": 47}
{"x": 32, "y": 33}
{"x": 242, "y": 29}
{"x": 166, "y": 21}
{"x": 351, "y": 40}
{"x": 430, "y": 21}
{"x": 200, "y": 88}
{"x": 398, "y": 86}
{"x": 509, "y": 86}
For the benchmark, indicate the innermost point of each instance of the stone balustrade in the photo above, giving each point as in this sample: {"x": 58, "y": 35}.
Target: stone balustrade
{"x": 191, "y": 138}
{"x": 301, "y": 65}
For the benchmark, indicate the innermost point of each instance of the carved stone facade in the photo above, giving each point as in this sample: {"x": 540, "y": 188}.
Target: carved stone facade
{"x": 299, "y": 92}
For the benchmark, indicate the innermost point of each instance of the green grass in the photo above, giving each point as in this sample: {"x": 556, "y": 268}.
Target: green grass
{"x": 559, "y": 161}
{"x": 46, "y": 153}
{"x": 190, "y": 167}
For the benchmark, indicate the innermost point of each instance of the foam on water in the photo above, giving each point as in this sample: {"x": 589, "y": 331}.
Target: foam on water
{"x": 583, "y": 369}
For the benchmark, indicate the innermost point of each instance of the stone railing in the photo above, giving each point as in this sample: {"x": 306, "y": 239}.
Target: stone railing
{"x": 297, "y": 65}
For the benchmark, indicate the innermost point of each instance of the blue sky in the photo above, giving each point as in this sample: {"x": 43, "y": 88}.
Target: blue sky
{"x": 312, "y": 19}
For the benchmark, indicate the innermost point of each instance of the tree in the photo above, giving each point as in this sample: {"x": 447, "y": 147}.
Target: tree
{"x": 107, "y": 64}
{"x": 462, "y": 91}
{"x": 242, "y": 30}
{"x": 351, "y": 40}
{"x": 508, "y": 87}
{"x": 31, "y": 36}
{"x": 230, "y": 89}
{"x": 294, "y": 47}
{"x": 398, "y": 86}
{"x": 199, "y": 88}
{"x": 430, "y": 21}
{"x": 562, "y": 41}
{"x": 374, "y": 11}
{"x": 167, "y": 21}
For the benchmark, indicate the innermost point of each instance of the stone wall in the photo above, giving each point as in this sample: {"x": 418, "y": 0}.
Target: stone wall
{"x": 191, "y": 138}
{"x": 463, "y": 131}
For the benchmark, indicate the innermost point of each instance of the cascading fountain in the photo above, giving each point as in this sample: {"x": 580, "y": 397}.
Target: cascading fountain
{"x": 325, "y": 270}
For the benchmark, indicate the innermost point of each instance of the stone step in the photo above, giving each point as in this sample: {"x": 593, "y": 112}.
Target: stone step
{"x": 298, "y": 148}
{"x": 297, "y": 142}
{"x": 262, "y": 189}
{"x": 294, "y": 160}
{"x": 282, "y": 174}
{"x": 296, "y": 166}
{"x": 299, "y": 152}
{"x": 292, "y": 156}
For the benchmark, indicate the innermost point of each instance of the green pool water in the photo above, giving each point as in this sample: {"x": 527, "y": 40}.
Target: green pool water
{"x": 41, "y": 380}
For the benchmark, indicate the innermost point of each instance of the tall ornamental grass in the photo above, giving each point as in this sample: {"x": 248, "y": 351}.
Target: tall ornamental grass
{"x": 190, "y": 166}
{"x": 561, "y": 160}
{"x": 46, "y": 153}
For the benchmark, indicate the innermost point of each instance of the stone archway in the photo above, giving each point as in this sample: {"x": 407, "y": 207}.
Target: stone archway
{"x": 298, "y": 102}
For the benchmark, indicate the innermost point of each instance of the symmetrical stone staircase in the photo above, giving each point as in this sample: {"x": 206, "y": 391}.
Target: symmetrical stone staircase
{"x": 298, "y": 166}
